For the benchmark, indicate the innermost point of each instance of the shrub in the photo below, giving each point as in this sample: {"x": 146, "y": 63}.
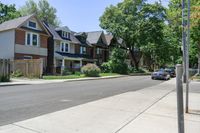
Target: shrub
{"x": 66, "y": 72}
{"x": 17, "y": 74}
{"x": 118, "y": 61}
{"x": 134, "y": 70}
{"x": 91, "y": 70}
{"x": 77, "y": 73}
{"x": 105, "y": 67}
{"x": 5, "y": 78}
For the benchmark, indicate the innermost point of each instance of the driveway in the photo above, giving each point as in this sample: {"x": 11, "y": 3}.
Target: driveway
{"x": 18, "y": 103}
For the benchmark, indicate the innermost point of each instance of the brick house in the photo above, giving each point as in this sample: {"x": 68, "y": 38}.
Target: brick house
{"x": 67, "y": 49}
{"x": 23, "y": 38}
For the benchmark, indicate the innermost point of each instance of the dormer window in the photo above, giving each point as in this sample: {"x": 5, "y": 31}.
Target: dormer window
{"x": 65, "y": 34}
{"x": 32, "y": 24}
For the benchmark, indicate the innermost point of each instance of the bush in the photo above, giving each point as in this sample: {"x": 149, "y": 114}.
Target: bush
{"x": 77, "y": 73}
{"x": 5, "y": 78}
{"x": 118, "y": 61}
{"x": 105, "y": 67}
{"x": 66, "y": 72}
{"x": 134, "y": 70}
{"x": 17, "y": 74}
{"x": 91, "y": 70}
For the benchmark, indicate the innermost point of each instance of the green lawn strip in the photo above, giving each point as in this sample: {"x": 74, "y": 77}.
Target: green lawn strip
{"x": 76, "y": 76}
{"x": 196, "y": 77}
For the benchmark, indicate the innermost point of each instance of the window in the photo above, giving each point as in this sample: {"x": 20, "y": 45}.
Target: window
{"x": 32, "y": 39}
{"x": 32, "y": 24}
{"x": 64, "y": 47}
{"x": 27, "y": 57}
{"x": 28, "y": 40}
{"x": 65, "y": 34}
{"x": 83, "y": 50}
{"x": 98, "y": 50}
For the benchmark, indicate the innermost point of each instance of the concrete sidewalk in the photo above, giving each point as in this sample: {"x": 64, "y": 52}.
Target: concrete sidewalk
{"x": 150, "y": 110}
{"x": 42, "y": 81}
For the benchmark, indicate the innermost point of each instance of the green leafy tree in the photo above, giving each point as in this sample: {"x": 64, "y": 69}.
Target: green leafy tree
{"x": 117, "y": 61}
{"x": 137, "y": 23}
{"x": 8, "y": 12}
{"x": 42, "y": 9}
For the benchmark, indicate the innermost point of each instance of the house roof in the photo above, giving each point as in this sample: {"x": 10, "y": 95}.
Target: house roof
{"x": 93, "y": 37}
{"x": 108, "y": 38}
{"x": 51, "y": 29}
{"x": 15, "y": 23}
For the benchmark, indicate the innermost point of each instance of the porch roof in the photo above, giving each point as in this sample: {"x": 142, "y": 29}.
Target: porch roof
{"x": 70, "y": 55}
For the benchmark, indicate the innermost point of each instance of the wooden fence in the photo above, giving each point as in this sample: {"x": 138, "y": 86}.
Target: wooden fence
{"x": 32, "y": 68}
{"x": 4, "y": 70}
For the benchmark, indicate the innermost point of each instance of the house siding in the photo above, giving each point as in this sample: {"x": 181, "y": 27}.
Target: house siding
{"x": 43, "y": 41}
{"x": 7, "y": 44}
{"x": 20, "y": 37}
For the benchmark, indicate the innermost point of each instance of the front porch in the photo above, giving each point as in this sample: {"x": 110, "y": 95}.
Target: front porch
{"x": 70, "y": 64}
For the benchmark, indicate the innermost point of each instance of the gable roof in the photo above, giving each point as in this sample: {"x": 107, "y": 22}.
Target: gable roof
{"x": 14, "y": 23}
{"x": 51, "y": 29}
{"x": 108, "y": 38}
{"x": 93, "y": 37}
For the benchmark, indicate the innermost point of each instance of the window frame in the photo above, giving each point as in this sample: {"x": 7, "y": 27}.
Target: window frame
{"x": 31, "y": 39}
{"x": 64, "y": 44}
{"x": 83, "y": 50}
{"x": 31, "y": 26}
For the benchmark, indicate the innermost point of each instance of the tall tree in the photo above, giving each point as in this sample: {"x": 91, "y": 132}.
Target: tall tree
{"x": 42, "y": 9}
{"x": 8, "y": 12}
{"x": 137, "y": 23}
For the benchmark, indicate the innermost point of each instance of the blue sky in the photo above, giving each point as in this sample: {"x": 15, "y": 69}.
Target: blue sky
{"x": 78, "y": 15}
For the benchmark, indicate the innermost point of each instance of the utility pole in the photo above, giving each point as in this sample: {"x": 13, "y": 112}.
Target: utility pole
{"x": 184, "y": 40}
{"x": 179, "y": 92}
{"x": 187, "y": 59}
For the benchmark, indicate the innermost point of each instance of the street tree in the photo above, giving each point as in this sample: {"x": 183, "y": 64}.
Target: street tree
{"x": 137, "y": 23}
{"x": 8, "y": 12}
{"x": 42, "y": 9}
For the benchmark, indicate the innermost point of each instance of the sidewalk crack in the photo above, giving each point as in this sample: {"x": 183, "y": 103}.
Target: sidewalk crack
{"x": 26, "y": 128}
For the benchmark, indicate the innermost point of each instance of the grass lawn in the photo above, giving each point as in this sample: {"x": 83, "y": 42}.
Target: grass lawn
{"x": 76, "y": 76}
{"x": 197, "y": 77}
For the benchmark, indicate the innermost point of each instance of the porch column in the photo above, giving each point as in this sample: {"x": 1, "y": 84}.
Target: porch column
{"x": 63, "y": 66}
{"x": 81, "y": 63}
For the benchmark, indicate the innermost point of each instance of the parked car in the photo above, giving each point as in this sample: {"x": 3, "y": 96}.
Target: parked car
{"x": 160, "y": 74}
{"x": 171, "y": 72}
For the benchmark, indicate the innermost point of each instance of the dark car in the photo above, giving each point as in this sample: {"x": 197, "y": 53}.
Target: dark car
{"x": 171, "y": 72}
{"x": 160, "y": 74}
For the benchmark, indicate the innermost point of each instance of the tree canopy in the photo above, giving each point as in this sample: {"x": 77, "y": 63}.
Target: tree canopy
{"x": 138, "y": 23}
{"x": 42, "y": 9}
{"x": 8, "y": 12}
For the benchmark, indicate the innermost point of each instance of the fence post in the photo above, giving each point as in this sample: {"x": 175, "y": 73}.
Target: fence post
{"x": 179, "y": 91}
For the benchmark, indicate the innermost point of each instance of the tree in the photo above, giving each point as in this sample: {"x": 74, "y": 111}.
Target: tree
{"x": 8, "y": 12}
{"x": 42, "y": 9}
{"x": 137, "y": 23}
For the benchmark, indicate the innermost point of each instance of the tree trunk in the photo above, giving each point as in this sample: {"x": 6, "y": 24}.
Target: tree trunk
{"x": 134, "y": 60}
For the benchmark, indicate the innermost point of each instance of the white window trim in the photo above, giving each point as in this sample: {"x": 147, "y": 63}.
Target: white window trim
{"x": 64, "y": 47}
{"x": 28, "y": 57}
{"x": 82, "y": 49}
{"x": 31, "y": 39}
{"x": 30, "y": 26}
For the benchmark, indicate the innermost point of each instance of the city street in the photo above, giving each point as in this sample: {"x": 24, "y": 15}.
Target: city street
{"x": 19, "y": 103}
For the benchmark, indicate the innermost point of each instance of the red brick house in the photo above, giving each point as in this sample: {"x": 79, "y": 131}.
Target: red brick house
{"x": 23, "y": 38}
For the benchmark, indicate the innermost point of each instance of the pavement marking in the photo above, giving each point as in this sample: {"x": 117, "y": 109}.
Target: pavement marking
{"x": 143, "y": 111}
{"x": 26, "y": 128}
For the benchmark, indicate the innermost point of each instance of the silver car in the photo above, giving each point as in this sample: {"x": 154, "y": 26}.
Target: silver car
{"x": 160, "y": 74}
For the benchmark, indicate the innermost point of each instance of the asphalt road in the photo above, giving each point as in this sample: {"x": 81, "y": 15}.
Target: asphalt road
{"x": 23, "y": 102}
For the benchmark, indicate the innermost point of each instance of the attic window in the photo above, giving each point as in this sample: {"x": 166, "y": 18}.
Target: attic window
{"x": 32, "y": 24}
{"x": 66, "y": 34}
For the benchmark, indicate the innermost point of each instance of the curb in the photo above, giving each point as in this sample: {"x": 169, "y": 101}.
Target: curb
{"x": 140, "y": 74}
{"x": 67, "y": 80}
